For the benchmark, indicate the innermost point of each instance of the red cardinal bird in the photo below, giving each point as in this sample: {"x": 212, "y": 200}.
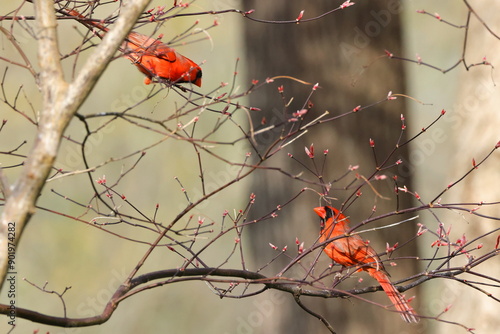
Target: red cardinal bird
{"x": 152, "y": 57}
{"x": 354, "y": 251}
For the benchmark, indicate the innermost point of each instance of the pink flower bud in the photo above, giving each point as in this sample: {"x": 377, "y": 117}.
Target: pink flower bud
{"x": 301, "y": 14}
{"x": 346, "y": 4}
{"x": 310, "y": 151}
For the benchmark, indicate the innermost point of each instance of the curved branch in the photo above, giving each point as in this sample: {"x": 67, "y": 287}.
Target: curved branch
{"x": 314, "y": 314}
{"x": 60, "y": 102}
{"x": 293, "y": 287}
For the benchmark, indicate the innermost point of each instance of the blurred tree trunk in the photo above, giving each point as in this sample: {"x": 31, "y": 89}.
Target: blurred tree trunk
{"x": 334, "y": 52}
{"x": 476, "y": 126}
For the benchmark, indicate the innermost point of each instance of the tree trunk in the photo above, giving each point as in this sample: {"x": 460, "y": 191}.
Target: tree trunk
{"x": 476, "y": 124}
{"x": 344, "y": 53}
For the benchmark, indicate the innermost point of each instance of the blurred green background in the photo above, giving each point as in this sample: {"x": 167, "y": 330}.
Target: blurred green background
{"x": 66, "y": 253}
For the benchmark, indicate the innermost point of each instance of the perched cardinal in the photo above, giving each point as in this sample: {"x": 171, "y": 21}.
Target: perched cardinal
{"x": 352, "y": 251}
{"x": 152, "y": 57}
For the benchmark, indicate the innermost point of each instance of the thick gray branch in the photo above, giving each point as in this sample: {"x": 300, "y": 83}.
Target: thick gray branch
{"x": 198, "y": 274}
{"x": 60, "y": 102}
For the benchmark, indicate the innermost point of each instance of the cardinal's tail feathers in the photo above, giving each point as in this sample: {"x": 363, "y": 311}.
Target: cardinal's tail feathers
{"x": 399, "y": 301}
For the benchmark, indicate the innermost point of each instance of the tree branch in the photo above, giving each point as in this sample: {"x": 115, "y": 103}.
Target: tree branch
{"x": 60, "y": 102}
{"x": 293, "y": 287}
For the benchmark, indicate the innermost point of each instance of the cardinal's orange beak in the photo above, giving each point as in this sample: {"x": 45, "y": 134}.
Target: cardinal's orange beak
{"x": 320, "y": 211}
